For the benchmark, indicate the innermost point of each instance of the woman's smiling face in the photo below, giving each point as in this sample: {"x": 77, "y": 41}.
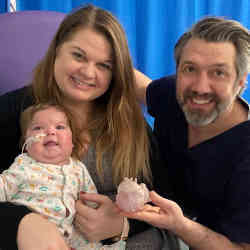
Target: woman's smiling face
{"x": 83, "y": 66}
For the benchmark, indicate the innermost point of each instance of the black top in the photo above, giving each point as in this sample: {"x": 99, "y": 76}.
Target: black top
{"x": 11, "y": 106}
{"x": 211, "y": 180}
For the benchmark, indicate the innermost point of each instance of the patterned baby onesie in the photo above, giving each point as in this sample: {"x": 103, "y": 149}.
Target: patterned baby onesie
{"x": 51, "y": 190}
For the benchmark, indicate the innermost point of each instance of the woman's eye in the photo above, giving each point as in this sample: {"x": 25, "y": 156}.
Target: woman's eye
{"x": 78, "y": 56}
{"x": 105, "y": 66}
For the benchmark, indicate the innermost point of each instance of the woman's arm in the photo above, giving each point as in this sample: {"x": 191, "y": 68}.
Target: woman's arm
{"x": 10, "y": 216}
{"x": 10, "y": 108}
{"x": 23, "y": 230}
{"x": 96, "y": 230}
{"x": 36, "y": 232}
{"x": 11, "y": 105}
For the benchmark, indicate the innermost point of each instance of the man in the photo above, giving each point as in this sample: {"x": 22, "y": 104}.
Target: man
{"x": 203, "y": 129}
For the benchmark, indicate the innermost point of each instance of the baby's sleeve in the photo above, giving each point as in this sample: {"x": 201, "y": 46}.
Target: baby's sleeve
{"x": 11, "y": 180}
{"x": 88, "y": 184}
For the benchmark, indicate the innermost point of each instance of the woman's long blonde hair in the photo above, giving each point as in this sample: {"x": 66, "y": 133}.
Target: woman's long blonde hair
{"x": 117, "y": 125}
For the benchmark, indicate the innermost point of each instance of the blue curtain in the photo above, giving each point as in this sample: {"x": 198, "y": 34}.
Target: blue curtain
{"x": 4, "y": 6}
{"x": 153, "y": 26}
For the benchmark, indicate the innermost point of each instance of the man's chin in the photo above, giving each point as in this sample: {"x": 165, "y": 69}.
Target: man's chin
{"x": 197, "y": 120}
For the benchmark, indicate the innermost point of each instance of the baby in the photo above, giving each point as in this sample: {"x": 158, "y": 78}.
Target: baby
{"x": 48, "y": 177}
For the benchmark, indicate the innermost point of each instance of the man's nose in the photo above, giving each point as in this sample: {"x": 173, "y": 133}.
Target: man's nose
{"x": 201, "y": 83}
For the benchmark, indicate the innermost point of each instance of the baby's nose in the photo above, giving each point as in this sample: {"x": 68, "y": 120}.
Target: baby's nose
{"x": 51, "y": 131}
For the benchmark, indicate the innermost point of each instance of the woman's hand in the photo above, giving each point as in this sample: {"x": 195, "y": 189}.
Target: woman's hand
{"x": 99, "y": 223}
{"x": 36, "y": 232}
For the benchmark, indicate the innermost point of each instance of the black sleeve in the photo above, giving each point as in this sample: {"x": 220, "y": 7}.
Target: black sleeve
{"x": 161, "y": 180}
{"x": 10, "y": 217}
{"x": 11, "y": 104}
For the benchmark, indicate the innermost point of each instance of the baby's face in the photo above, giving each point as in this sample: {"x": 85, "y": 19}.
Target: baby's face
{"x": 55, "y": 146}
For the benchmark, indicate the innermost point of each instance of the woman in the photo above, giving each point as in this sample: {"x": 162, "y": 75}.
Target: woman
{"x": 87, "y": 69}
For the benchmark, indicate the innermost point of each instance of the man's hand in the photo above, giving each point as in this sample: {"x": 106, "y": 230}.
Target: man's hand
{"x": 167, "y": 214}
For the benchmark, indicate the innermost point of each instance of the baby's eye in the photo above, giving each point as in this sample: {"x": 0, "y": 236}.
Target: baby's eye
{"x": 59, "y": 127}
{"x": 37, "y": 128}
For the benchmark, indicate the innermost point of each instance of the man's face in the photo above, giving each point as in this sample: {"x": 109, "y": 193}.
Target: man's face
{"x": 206, "y": 81}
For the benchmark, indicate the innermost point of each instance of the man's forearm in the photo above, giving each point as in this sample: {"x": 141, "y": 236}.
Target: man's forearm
{"x": 199, "y": 237}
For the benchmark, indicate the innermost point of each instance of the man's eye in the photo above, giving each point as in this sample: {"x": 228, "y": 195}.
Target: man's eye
{"x": 188, "y": 69}
{"x": 219, "y": 73}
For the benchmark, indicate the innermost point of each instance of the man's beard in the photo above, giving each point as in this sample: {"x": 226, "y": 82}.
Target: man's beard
{"x": 197, "y": 117}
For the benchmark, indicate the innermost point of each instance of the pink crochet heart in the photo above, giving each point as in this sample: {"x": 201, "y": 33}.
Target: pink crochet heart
{"x": 131, "y": 196}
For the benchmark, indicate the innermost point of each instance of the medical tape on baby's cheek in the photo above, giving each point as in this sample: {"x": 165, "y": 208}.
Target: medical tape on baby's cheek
{"x": 31, "y": 139}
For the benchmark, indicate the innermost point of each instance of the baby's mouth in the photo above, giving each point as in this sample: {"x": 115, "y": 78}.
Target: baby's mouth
{"x": 50, "y": 144}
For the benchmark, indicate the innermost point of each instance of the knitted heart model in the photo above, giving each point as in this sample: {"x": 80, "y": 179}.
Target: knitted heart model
{"x": 131, "y": 196}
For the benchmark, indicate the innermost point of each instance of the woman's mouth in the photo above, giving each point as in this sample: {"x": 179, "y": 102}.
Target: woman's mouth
{"x": 82, "y": 83}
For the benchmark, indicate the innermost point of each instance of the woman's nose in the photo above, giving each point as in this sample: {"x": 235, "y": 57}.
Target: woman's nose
{"x": 88, "y": 70}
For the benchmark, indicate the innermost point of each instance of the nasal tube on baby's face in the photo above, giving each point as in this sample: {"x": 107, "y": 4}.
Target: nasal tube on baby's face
{"x": 36, "y": 138}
